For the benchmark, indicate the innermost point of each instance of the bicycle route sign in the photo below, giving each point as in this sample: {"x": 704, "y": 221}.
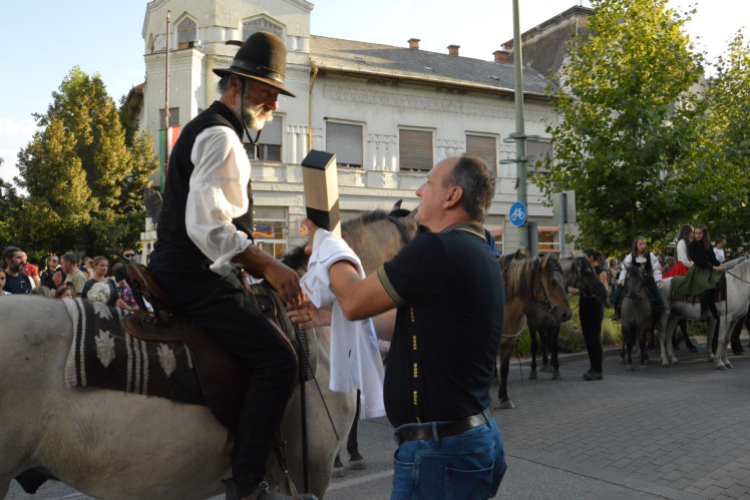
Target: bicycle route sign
{"x": 517, "y": 214}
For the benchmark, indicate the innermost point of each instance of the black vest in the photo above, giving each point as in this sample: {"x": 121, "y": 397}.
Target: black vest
{"x": 646, "y": 266}
{"x": 172, "y": 232}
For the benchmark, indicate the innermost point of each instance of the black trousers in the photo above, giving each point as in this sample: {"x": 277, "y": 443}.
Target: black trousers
{"x": 231, "y": 317}
{"x": 591, "y": 314}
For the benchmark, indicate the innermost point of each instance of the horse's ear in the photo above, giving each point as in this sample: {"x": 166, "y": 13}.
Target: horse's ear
{"x": 545, "y": 261}
{"x": 396, "y": 206}
{"x": 517, "y": 255}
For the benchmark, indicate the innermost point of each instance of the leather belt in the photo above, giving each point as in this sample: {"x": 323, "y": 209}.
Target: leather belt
{"x": 444, "y": 430}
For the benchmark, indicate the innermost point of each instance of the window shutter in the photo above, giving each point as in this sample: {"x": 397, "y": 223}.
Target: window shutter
{"x": 483, "y": 147}
{"x": 415, "y": 150}
{"x": 541, "y": 150}
{"x": 345, "y": 141}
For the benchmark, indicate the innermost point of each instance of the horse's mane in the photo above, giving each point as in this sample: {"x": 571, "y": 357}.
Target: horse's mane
{"x": 364, "y": 219}
{"x": 296, "y": 259}
{"x": 519, "y": 279}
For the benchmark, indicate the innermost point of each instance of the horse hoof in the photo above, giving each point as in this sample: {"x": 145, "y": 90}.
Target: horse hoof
{"x": 720, "y": 366}
{"x": 532, "y": 376}
{"x": 357, "y": 464}
{"x": 630, "y": 368}
{"x": 729, "y": 365}
{"x": 556, "y": 376}
{"x": 507, "y": 405}
{"x": 665, "y": 365}
{"x": 338, "y": 472}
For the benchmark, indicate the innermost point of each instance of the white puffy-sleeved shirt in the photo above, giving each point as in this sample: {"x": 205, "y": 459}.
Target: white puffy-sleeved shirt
{"x": 682, "y": 254}
{"x": 218, "y": 194}
{"x": 655, "y": 266}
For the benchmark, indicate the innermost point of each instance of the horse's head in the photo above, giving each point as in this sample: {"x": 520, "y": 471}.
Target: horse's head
{"x": 550, "y": 288}
{"x": 633, "y": 282}
{"x": 588, "y": 282}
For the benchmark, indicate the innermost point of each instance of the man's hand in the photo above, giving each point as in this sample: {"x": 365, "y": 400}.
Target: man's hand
{"x": 306, "y": 315}
{"x": 286, "y": 281}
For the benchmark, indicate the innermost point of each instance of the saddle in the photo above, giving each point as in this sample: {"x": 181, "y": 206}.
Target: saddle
{"x": 720, "y": 294}
{"x": 223, "y": 378}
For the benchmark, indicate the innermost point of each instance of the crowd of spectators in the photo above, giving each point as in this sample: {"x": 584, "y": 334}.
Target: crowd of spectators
{"x": 67, "y": 277}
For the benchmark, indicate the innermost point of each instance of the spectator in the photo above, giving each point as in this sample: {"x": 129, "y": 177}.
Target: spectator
{"x": 88, "y": 264}
{"x": 99, "y": 292}
{"x": 75, "y": 277}
{"x": 129, "y": 253}
{"x": 123, "y": 287}
{"x": 42, "y": 291}
{"x": 64, "y": 292}
{"x": 2, "y": 284}
{"x": 101, "y": 266}
{"x": 16, "y": 282}
{"x": 47, "y": 277}
{"x": 30, "y": 270}
{"x": 721, "y": 242}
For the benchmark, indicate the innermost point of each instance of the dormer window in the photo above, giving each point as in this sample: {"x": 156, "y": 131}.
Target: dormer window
{"x": 186, "y": 33}
{"x": 256, "y": 25}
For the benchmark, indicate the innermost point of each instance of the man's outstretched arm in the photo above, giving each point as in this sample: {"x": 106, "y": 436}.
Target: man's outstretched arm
{"x": 359, "y": 298}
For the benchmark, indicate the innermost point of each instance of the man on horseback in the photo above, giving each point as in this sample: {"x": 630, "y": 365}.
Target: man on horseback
{"x": 449, "y": 292}
{"x": 204, "y": 236}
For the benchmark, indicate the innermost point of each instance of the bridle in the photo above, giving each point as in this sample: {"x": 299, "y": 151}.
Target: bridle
{"x": 540, "y": 287}
{"x": 590, "y": 291}
{"x": 393, "y": 216}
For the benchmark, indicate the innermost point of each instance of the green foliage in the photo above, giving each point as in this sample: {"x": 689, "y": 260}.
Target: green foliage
{"x": 84, "y": 182}
{"x": 628, "y": 123}
{"x": 8, "y": 202}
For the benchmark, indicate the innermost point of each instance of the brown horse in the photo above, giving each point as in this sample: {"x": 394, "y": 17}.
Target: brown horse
{"x": 528, "y": 282}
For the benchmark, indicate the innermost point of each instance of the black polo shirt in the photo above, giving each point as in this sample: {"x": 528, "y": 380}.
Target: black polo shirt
{"x": 451, "y": 299}
{"x": 17, "y": 285}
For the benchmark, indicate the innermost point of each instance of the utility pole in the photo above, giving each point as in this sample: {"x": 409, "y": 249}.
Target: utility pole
{"x": 523, "y": 231}
{"x": 167, "y": 138}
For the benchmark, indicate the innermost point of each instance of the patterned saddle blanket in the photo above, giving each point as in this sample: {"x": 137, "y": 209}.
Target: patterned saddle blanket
{"x": 103, "y": 356}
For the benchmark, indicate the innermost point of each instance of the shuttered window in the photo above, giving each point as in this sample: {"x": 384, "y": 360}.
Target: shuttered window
{"x": 415, "y": 150}
{"x": 186, "y": 32}
{"x": 483, "y": 147}
{"x": 345, "y": 141}
{"x": 269, "y": 144}
{"x": 257, "y": 25}
{"x": 541, "y": 150}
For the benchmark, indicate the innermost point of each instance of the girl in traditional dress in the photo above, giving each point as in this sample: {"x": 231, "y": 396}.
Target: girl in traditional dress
{"x": 649, "y": 264}
{"x": 704, "y": 275}
{"x": 683, "y": 260}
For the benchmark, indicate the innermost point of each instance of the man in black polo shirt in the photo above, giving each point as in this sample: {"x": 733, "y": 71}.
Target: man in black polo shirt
{"x": 16, "y": 282}
{"x": 449, "y": 292}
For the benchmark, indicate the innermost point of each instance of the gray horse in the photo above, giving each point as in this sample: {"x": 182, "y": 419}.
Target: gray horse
{"x": 636, "y": 313}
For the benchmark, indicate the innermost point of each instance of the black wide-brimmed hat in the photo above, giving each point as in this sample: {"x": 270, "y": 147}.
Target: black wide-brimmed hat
{"x": 262, "y": 58}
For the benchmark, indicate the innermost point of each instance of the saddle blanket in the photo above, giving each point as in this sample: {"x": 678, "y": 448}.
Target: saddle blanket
{"x": 103, "y": 355}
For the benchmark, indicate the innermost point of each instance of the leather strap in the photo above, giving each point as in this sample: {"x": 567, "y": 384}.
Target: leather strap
{"x": 448, "y": 429}
{"x": 401, "y": 229}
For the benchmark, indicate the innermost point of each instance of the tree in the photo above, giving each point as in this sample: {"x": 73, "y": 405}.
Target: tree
{"x": 80, "y": 173}
{"x": 724, "y": 161}
{"x": 629, "y": 121}
{"x": 8, "y": 201}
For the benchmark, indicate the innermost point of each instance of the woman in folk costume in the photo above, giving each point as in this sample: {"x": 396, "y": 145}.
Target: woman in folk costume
{"x": 649, "y": 264}
{"x": 704, "y": 275}
{"x": 683, "y": 260}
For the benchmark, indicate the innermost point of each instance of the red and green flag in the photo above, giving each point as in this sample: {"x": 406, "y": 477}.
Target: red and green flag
{"x": 164, "y": 153}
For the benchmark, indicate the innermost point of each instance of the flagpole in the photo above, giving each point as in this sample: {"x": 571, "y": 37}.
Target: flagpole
{"x": 167, "y": 138}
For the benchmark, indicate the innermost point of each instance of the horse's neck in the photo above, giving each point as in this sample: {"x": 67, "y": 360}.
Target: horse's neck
{"x": 515, "y": 314}
{"x": 375, "y": 244}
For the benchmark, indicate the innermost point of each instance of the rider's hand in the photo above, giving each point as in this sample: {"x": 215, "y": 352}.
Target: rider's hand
{"x": 306, "y": 315}
{"x": 285, "y": 281}
{"x": 659, "y": 285}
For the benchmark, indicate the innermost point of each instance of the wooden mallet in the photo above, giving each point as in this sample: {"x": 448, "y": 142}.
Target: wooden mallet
{"x": 321, "y": 183}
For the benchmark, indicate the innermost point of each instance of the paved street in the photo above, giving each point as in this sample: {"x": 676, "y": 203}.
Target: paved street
{"x": 660, "y": 433}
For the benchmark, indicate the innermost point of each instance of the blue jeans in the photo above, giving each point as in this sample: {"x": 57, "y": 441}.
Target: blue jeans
{"x": 469, "y": 466}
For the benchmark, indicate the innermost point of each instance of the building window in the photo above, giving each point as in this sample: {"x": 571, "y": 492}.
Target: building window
{"x": 174, "y": 118}
{"x": 257, "y": 25}
{"x": 186, "y": 33}
{"x": 415, "y": 150}
{"x": 269, "y": 144}
{"x": 345, "y": 141}
{"x": 541, "y": 150}
{"x": 483, "y": 147}
{"x": 549, "y": 241}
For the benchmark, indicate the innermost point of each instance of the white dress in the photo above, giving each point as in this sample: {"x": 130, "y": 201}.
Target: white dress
{"x": 682, "y": 254}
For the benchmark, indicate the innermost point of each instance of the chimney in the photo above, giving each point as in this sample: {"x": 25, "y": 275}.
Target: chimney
{"x": 453, "y": 49}
{"x": 501, "y": 56}
{"x": 414, "y": 43}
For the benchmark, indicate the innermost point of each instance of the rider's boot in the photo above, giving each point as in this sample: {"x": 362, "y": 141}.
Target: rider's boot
{"x": 705, "y": 301}
{"x": 262, "y": 493}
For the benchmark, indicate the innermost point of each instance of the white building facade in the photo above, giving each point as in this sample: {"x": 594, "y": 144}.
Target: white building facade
{"x": 389, "y": 113}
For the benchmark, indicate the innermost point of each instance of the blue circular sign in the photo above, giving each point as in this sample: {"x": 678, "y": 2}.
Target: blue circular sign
{"x": 517, "y": 214}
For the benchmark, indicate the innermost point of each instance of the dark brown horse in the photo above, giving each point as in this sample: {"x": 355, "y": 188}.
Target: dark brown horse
{"x": 528, "y": 282}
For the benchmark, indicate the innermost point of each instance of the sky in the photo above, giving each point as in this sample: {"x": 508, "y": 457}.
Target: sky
{"x": 51, "y": 37}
